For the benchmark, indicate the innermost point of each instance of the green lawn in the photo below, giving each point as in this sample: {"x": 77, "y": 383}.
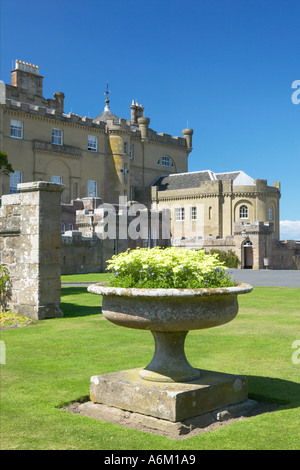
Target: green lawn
{"x": 91, "y": 277}
{"x": 50, "y": 364}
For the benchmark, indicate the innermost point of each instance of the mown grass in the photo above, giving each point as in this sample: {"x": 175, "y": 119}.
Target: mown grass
{"x": 50, "y": 364}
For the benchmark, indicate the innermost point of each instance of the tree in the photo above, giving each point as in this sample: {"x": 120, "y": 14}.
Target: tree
{"x": 5, "y": 166}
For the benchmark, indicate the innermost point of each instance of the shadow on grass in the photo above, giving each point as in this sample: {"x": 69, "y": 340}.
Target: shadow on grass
{"x": 70, "y": 310}
{"x": 272, "y": 390}
{"x": 83, "y": 304}
{"x": 74, "y": 290}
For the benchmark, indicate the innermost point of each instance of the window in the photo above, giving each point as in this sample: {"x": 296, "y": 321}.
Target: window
{"x": 14, "y": 179}
{"x": 92, "y": 188}
{"x": 92, "y": 143}
{"x": 193, "y": 213}
{"x": 16, "y": 129}
{"x": 270, "y": 213}
{"x": 179, "y": 214}
{"x": 125, "y": 148}
{"x": 131, "y": 152}
{"x": 131, "y": 193}
{"x": 244, "y": 212}
{"x": 56, "y": 179}
{"x": 57, "y": 137}
{"x": 165, "y": 161}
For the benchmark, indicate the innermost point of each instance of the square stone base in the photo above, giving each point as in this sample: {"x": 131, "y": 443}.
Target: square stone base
{"x": 174, "y": 402}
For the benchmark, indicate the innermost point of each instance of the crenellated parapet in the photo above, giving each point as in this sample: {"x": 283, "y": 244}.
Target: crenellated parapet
{"x": 42, "y": 112}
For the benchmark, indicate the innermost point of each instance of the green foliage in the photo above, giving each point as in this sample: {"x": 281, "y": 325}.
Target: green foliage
{"x": 168, "y": 268}
{"x": 9, "y": 319}
{"x": 230, "y": 259}
{"x": 5, "y": 166}
{"x": 4, "y": 287}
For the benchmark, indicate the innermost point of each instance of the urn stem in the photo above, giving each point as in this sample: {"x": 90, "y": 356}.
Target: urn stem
{"x": 169, "y": 363}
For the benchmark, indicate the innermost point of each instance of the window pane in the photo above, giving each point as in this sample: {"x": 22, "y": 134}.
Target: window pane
{"x": 179, "y": 214}
{"x": 92, "y": 188}
{"x": 56, "y": 179}
{"x": 92, "y": 143}
{"x": 165, "y": 161}
{"x": 270, "y": 213}
{"x": 243, "y": 212}
{"x": 57, "y": 137}
{"x": 16, "y": 129}
{"x": 131, "y": 151}
{"x": 193, "y": 213}
{"x": 14, "y": 179}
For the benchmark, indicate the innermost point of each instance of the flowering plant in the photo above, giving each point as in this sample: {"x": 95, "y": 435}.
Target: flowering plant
{"x": 168, "y": 268}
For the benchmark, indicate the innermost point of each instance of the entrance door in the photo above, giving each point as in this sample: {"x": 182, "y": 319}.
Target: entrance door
{"x": 247, "y": 255}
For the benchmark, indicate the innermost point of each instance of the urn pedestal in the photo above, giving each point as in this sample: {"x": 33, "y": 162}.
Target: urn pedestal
{"x": 169, "y": 388}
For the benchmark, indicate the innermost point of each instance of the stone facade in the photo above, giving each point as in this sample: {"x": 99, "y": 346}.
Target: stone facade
{"x": 30, "y": 240}
{"x": 103, "y": 157}
{"x": 223, "y": 211}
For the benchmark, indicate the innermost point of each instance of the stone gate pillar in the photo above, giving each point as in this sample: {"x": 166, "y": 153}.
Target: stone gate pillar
{"x": 30, "y": 235}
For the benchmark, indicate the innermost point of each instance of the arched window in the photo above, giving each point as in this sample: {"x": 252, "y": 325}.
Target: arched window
{"x": 270, "y": 213}
{"x": 165, "y": 161}
{"x": 244, "y": 214}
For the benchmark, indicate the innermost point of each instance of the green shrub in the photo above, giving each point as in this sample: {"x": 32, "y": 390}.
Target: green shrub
{"x": 168, "y": 268}
{"x": 230, "y": 259}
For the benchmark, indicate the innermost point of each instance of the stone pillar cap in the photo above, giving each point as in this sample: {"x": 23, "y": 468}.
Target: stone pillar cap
{"x": 41, "y": 186}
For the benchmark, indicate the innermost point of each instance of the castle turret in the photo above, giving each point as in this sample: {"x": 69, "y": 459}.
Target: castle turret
{"x": 187, "y": 134}
{"x": 143, "y": 123}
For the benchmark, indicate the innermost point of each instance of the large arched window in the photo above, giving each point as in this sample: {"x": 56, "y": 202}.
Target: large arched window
{"x": 244, "y": 213}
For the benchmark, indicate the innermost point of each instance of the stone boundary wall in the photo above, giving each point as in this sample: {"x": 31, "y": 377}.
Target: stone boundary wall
{"x": 30, "y": 242}
{"x": 81, "y": 254}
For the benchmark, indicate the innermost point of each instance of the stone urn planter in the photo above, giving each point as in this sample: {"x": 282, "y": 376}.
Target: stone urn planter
{"x": 169, "y": 314}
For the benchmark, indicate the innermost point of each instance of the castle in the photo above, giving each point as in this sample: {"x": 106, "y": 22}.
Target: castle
{"x": 104, "y": 158}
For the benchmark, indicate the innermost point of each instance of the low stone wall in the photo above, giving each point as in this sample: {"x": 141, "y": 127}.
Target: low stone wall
{"x": 285, "y": 254}
{"x": 81, "y": 254}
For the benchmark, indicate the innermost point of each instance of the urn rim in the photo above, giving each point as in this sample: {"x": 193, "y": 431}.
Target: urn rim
{"x": 100, "y": 289}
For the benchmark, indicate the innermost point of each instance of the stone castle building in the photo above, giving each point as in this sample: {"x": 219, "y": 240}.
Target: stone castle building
{"x": 100, "y": 159}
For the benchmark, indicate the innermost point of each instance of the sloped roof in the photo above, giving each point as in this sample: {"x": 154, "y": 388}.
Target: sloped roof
{"x": 107, "y": 114}
{"x": 239, "y": 178}
{"x": 195, "y": 178}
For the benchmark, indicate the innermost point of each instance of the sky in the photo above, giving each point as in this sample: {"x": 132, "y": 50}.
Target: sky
{"x": 225, "y": 68}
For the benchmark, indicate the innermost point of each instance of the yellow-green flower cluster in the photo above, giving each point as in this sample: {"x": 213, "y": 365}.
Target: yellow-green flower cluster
{"x": 167, "y": 268}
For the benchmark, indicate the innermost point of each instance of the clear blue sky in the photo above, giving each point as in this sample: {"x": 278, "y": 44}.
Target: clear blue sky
{"x": 225, "y": 67}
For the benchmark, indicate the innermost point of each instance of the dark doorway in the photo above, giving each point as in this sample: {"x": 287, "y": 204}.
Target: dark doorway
{"x": 247, "y": 255}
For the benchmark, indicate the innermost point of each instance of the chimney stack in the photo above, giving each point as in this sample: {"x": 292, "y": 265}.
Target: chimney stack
{"x": 27, "y": 76}
{"x": 137, "y": 111}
